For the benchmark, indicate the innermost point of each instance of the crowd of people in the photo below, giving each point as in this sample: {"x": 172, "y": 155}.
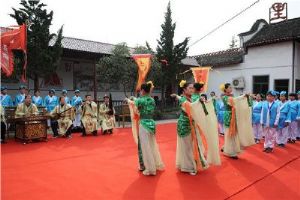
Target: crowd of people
{"x": 272, "y": 118}
{"x": 65, "y": 114}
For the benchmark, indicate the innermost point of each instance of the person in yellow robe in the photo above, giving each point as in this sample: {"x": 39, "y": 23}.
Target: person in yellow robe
{"x": 89, "y": 116}
{"x": 65, "y": 114}
{"x": 27, "y": 108}
{"x": 106, "y": 116}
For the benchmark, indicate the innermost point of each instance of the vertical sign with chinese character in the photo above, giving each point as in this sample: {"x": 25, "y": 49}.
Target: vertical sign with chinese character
{"x": 278, "y": 12}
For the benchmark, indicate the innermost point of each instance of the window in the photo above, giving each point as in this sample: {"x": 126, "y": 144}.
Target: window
{"x": 297, "y": 85}
{"x": 260, "y": 84}
{"x": 281, "y": 85}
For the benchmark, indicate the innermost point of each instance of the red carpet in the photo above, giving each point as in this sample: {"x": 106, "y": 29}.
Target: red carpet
{"x": 105, "y": 167}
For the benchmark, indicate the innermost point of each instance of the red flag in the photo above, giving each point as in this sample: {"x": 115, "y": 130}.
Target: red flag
{"x": 143, "y": 62}
{"x": 13, "y": 39}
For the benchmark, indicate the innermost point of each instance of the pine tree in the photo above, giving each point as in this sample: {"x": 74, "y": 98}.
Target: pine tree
{"x": 42, "y": 59}
{"x": 169, "y": 55}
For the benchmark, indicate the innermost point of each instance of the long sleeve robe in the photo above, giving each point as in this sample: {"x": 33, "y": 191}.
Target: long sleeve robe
{"x": 89, "y": 117}
{"x": 65, "y": 121}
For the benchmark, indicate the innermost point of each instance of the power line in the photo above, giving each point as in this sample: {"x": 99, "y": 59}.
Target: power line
{"x": 230, "y": 19}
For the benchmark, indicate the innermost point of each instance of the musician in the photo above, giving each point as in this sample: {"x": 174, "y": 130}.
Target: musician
{"x": 27, "y": 108}
{"x": 64, "y": 115}
{"x": 50, "y": 102}
{"x": 21, "y": 96}
{"x": 5, "y": 98}
{"x": 64, "y": 93}
{"x": 3, "y": 125}
{"x": 89, "y": 116}
{"x": 106, "y": 115}
{"x": 37, "y": 99}
{"x": 76, "y": 103}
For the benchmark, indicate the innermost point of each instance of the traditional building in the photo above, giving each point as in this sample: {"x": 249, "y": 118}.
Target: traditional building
{"x": 77, "y": 70}
{"x": 268, "y": 59}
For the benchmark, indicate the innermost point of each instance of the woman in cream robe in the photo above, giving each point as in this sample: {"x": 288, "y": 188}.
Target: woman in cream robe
{"x": 89, "y": 116}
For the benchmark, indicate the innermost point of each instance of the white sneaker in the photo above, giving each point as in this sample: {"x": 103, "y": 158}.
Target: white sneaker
{"x": 193, "y": 173}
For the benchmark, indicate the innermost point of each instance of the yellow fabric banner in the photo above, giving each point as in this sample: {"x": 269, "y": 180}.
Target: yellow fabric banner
{"x": 201, "y": 74}
{"x": 143, "y": 62}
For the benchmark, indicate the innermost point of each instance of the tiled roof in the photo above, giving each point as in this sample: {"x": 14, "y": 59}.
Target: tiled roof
{"x": 85, "y": 45}
{"x": 189, "y": 61}
{"x": 277, "y": 32}
{"x": 230, "y": 56}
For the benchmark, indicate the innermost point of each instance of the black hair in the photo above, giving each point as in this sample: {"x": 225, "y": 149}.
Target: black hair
{"x": 226, "y": 85}
{"x": 87, "y": 95}
{"x": 204, "y": 95}
{"x": 213, "y": 92}
{"x": 61, "y": 98}
{"x": 184, "y": 87}
{"x": 293, "y": 95}
{"x": 27, "y": 96}
{"x": 146, "y": 87}
{"x": 198, "y": 86}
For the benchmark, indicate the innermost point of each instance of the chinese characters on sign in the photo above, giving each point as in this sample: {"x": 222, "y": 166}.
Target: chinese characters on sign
{"x": 278, "y": 12}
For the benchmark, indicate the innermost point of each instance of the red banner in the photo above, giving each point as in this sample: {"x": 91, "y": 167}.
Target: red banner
{"x": 201, "y": 74}
{"x": 143, "y": 62}
{"x": 14, "y": 38}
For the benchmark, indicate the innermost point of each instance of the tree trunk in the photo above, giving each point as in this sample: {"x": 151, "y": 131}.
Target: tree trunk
{"x": 36, "y": 82}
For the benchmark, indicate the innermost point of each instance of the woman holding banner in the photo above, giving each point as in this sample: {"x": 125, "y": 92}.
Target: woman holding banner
{"x": 237, "y": 122}
{"x": 143, "y": 108}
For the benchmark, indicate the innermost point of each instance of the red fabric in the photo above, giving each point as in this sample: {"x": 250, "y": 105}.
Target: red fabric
{"x": 201, "y": 74}
{"x": 105, "y": 167}
{"x": 14, "y": 39}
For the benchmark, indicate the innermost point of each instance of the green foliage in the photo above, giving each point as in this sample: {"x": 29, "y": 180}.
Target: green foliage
{"x": 166, "y": 50}
{"x": 42, "y": 60}
{"x": 118, "y": 69}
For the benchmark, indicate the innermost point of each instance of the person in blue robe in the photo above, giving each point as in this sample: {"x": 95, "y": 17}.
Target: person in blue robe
{"x": 65, "y": 93}
{"x": 20, "y": 97}
{"x": 283, "y": 126}
{"x": 5, "y": 99}
{"x": 292, "y": 117}
{"x": 76, "y": 103}
{"x": 37, "y": 99}
{"x": 256, "y": 114}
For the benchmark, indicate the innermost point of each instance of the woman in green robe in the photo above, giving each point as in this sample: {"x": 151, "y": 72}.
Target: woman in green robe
{"x": 149, "y": 156}
{"x": 185, "y": 152}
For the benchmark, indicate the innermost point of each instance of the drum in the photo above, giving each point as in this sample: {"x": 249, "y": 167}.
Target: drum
{"x": 31, "y": 128}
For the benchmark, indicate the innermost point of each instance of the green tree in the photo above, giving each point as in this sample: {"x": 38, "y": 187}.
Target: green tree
{"x": 42, "y": 59}
{"x": 119, "y": 69}
{"x": 169, "y": 54}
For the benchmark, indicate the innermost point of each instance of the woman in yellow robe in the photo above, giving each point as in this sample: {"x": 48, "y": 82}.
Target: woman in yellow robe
{"x": 106, "y": 116}
{"x": 89, "y": 116}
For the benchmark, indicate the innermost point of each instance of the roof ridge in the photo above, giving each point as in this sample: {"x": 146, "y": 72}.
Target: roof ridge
{"x": 228, "y": 51}
{"x": 89, "y": 40}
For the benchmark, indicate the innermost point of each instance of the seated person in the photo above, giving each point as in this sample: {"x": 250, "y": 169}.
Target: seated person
{"x": 89, "y": 116}
{"x": 106, "y": 116}
{"x": 27, "y": 108}
{"x": 65, "y": 114}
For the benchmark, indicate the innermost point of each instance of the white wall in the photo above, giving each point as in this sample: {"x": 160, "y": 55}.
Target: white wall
{"x": 274, "y": 60}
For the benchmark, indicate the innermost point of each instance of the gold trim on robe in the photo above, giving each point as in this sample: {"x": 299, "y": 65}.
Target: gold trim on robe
{"x": 89, "y": 117}
{"x": 65, "y": 121}
{"x": 107, "y": 122}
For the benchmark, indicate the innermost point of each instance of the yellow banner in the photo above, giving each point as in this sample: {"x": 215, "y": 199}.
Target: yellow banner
{"x": 143, "y": 62}
{"x": 201, "y": 74}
